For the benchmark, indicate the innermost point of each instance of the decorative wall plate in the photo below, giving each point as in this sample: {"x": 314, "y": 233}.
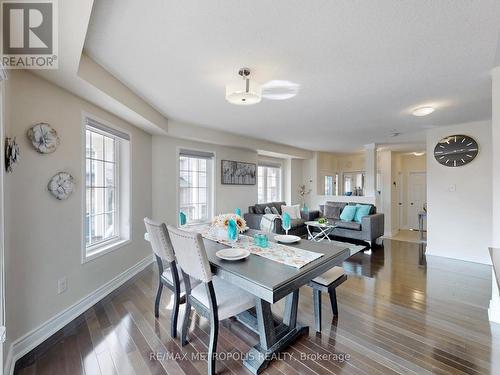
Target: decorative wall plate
{"x": 44, "y": 138}
{"x": 61, "y": 185}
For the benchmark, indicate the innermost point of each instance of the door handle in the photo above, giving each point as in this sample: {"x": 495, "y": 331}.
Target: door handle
{"x": 400, "y": 204}
{"x": 411, "y": 203}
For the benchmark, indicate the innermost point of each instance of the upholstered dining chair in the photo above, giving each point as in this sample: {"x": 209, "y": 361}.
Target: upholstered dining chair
{"x": 327, "y": 283}
{"x": 169, "y": 275}
{"x": 214, "y": 299}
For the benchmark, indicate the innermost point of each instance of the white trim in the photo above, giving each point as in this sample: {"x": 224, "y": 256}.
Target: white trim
{"x": 32, "y": 339}
{"x": 124, "y": 169}
{"x": 215, "y": 163}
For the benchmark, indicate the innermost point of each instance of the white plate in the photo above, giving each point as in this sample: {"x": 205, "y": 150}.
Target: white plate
{"x": 287, "y": 239}
{"x": 232, "y": 254}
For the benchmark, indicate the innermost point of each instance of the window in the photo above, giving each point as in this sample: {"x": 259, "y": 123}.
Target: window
{"x": 269, "y": 183}
{"x": 332, "y": 185}
{"x": 195, "y": 185}
{"x": 106, "y": 221}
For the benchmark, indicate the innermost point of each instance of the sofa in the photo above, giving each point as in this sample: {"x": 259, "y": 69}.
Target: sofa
{"x": 298, "y": 227}
{"x": 370, "y": 228}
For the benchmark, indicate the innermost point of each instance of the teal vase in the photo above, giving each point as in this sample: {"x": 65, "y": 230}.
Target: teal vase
{"x": 182, "y": 218}
{"x": 238, "y": 212}
{"x": 232, "y": 231}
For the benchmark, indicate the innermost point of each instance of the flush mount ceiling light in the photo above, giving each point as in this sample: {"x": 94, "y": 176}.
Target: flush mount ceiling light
{"x": 423, "y": 111}
{"x": 418, "y": 153}
{"x": 243, "y": 91}
{"x": 280, "y": 89}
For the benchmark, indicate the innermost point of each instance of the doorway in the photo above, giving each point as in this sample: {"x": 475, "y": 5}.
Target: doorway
{"x": 417, "y": 197}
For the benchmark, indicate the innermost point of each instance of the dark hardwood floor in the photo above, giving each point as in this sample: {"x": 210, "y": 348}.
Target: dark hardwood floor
{"x": 400, "y": 313}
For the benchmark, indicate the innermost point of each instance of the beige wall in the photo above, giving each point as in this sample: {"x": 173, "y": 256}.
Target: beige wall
{"x": 227, "y": 198}
{"x": 459, "y": 200}
{"x": 43, "y": 235}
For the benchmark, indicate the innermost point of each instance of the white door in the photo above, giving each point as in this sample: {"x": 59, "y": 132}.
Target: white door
{"x": 417, "y": 196}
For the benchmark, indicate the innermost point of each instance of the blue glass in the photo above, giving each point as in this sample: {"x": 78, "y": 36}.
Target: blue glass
{"x": 286, "y": 222}
{"x": 182, "y": 218}
{"x": 232, "y": 231}
{"x": 238, "y": 211}
{"x": 256, "y": 239}
{"x": 264, "y": 242}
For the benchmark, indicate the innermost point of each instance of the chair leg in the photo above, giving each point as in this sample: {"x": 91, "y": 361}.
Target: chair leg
{"x": 175, "y": 315}
{"x": 158, "y": 297}
{"x": 333, "y": 301}
{"x": 212, "y": 349}
{"x": 186, "y": 322}
{"x": 317, "y": 309}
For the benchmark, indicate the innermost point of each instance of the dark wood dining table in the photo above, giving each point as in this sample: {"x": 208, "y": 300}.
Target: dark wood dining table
{"x": 270, "y": 281}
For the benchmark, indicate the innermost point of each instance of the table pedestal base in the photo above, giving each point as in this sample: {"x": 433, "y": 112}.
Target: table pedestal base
{"x": 257, "y": 359}
{"x": 275, "y": 336}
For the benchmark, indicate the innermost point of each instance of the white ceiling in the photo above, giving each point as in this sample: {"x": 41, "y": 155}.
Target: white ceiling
{"x": 362, "y": 65}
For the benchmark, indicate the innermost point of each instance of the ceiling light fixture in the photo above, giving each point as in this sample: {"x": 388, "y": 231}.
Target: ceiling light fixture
{"x": 243, "y": 91}
{"x": 280, "y": 90}
{"x": 423, "y": 111}
{"x": 418, "y": 153}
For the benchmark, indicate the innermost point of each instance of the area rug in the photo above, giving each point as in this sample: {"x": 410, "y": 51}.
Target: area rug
{"x": 352, "y": 247}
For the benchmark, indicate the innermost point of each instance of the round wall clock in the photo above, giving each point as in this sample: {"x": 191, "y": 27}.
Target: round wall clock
{"x": 61, "y": 185}
{"x": 44, "y": 138}
{"x": 456, "y": 150}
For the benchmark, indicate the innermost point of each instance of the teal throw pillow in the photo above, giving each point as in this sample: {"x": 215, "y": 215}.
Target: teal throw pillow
{"x": 348, "y": 213}
{"x": 363, "y": 210}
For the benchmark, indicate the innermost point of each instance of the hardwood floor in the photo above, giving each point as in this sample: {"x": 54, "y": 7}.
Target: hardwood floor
{"x": 400, "y": 313}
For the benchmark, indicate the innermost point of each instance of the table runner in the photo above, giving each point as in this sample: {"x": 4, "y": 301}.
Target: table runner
{"x": 290, "y": 256}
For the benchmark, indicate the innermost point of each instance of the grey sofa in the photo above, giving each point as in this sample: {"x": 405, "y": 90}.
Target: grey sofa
{"x": 370, "y": 228}
{"x": 256, "y": 212}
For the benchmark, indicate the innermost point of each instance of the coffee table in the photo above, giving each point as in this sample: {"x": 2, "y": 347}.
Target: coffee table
{"x": 324, "y": 231}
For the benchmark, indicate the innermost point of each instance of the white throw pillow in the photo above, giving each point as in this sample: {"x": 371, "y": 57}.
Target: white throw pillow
{"x": 293, "y": 211}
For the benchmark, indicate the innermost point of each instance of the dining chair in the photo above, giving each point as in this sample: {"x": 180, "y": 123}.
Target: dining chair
{"x": 169, "y": 275}
{"x": 327, "y": 283}
{"x": 214, "y": 298}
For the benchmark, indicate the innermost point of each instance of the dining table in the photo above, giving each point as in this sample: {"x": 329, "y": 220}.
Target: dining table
{"x": 270, "y": 281}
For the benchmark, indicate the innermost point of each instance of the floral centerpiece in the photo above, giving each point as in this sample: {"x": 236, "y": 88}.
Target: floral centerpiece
{"x": 220, "y": 224}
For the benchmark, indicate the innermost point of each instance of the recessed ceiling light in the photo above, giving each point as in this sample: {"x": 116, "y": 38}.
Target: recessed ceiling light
{"x": 419, "y": 153}
{"x": 423, "y": 111}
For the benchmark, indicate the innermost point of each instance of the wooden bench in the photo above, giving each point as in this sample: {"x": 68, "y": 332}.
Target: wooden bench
{"x": 327, "y": 283}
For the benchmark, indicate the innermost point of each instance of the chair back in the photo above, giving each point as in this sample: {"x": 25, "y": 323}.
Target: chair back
{"x": 160, "y": 240}
{"x": 191, "y": 253}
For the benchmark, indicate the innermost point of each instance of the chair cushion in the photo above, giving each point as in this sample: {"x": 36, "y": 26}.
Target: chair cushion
{"x": 348, "y": 213}
{"x": 332, "y": 210}
{"x": 167, "y": 274}
{"x": 352, "y": 225}
{"x": 231, "y": 300}
{"x": 363, "y": 210}
{"x": 329, "y": 276}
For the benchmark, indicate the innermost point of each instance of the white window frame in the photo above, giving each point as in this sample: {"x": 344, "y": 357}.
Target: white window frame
{"x": 280, "y": 186}
{"x": 211, "y": 178}
{"x": 123, "y": 192}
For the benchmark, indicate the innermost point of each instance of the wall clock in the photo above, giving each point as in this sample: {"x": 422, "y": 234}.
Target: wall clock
{"x": 61, "y": 185}
{"x": 44, "y": 138}
{"x": 456, "y": 150}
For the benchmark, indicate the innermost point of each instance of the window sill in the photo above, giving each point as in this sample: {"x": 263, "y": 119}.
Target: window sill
{"x": 104, "y": 249}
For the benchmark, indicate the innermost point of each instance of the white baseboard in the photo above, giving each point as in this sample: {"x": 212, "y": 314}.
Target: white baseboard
{"x": 31, "y": 340}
